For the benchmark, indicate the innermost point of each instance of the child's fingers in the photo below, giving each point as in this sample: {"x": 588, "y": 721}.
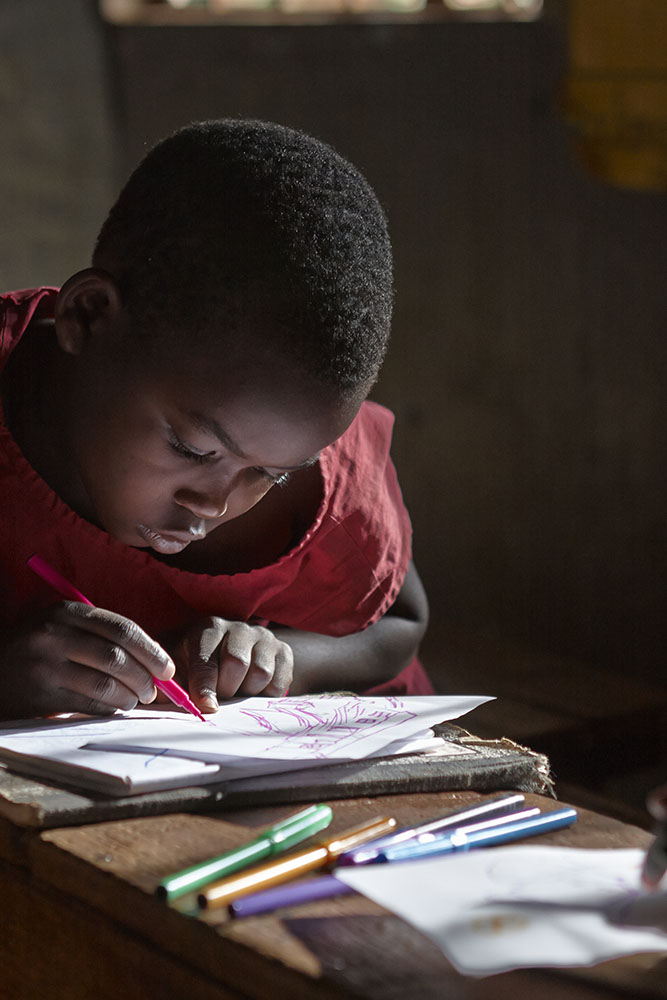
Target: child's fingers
{"x": 120, "y": 632}
{"x": 270, "y": 671}
{"x": 233, "y": 667}
{"x": 109, "y": 670}
{"x": 248, "y": 660}
{"x": 283, "y": 673}
{"x": 262, "y": 662}
{"x": 227, "y": 658}
{"x": 202, "y": 663}
{"x": 84, "y": 689}
{"x": 241, "y": 640}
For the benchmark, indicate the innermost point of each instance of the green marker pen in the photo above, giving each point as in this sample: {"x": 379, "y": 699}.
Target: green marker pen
{"x": 277, "y": 838}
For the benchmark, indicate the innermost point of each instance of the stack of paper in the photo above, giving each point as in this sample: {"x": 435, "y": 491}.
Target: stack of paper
{"x": 145, "y": 750}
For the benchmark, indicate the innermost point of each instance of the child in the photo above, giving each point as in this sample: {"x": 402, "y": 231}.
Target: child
{"x": 185, "y": 439}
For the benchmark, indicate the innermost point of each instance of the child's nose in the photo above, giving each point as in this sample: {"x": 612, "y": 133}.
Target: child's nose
{"x": 206, "y": 508}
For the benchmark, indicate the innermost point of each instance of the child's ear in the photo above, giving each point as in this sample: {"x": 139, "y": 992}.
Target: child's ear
{"x": 89, "y": 303}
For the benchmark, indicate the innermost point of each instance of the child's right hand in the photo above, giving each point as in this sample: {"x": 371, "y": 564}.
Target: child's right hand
{"x": 76, "y": 658}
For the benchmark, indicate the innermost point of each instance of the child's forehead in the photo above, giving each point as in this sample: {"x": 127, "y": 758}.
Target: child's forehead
{"x": 210, "y": 371}
{"x": 251, "y": 355}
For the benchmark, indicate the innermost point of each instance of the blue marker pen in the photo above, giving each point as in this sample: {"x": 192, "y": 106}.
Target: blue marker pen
{"x": 464, "y": 816}
{"x": 462, "y": 841}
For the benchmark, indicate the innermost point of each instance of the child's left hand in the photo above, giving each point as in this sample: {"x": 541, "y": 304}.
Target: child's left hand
{"x": 222, "y": 658}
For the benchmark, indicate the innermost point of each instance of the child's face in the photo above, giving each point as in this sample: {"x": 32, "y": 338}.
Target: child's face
{"x": 166, "y": 451}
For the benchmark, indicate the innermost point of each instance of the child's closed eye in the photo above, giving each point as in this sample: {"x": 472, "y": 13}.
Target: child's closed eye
{"x": 181, "y": 448}
{"x": 190, "y": 453}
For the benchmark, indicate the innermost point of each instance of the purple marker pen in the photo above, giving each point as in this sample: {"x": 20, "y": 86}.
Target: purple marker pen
{"x": 293, "y": 894}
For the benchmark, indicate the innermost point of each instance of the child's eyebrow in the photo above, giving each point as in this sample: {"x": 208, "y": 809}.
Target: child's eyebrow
{"x": 210, "y": 424}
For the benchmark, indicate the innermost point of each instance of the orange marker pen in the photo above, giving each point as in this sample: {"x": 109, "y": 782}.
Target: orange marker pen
{"x": 274, "y": 872}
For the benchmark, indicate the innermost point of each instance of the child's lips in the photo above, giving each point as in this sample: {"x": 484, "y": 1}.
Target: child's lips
{"x": 169, "y": 544}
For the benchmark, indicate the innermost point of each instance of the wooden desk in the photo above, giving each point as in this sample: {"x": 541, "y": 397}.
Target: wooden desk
{"x": 80, "y": 922}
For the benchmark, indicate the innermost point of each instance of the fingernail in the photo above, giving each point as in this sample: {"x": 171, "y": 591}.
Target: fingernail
{"x": 208, "y": 701}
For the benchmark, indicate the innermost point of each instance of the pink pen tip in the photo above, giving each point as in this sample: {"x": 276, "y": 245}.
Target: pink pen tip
{"x": 176, "y": 693}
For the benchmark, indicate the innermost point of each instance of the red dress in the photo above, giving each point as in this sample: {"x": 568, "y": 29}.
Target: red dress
{"x": 341, "y": 577}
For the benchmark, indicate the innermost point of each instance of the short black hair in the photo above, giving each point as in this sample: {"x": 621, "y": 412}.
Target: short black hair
{"x": 235, "y": 223}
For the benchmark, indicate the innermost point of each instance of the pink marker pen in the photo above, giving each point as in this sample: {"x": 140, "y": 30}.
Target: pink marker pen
{"x": 172, "y": 690}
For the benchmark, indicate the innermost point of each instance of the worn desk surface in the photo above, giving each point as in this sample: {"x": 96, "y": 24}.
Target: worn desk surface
{"x": 81, "y": 921}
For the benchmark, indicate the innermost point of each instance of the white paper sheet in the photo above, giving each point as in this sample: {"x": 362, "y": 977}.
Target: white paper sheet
{"x": 496, "y": 909}
{"x": 303, "y": 730}
{"x": 246, "y": 737}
